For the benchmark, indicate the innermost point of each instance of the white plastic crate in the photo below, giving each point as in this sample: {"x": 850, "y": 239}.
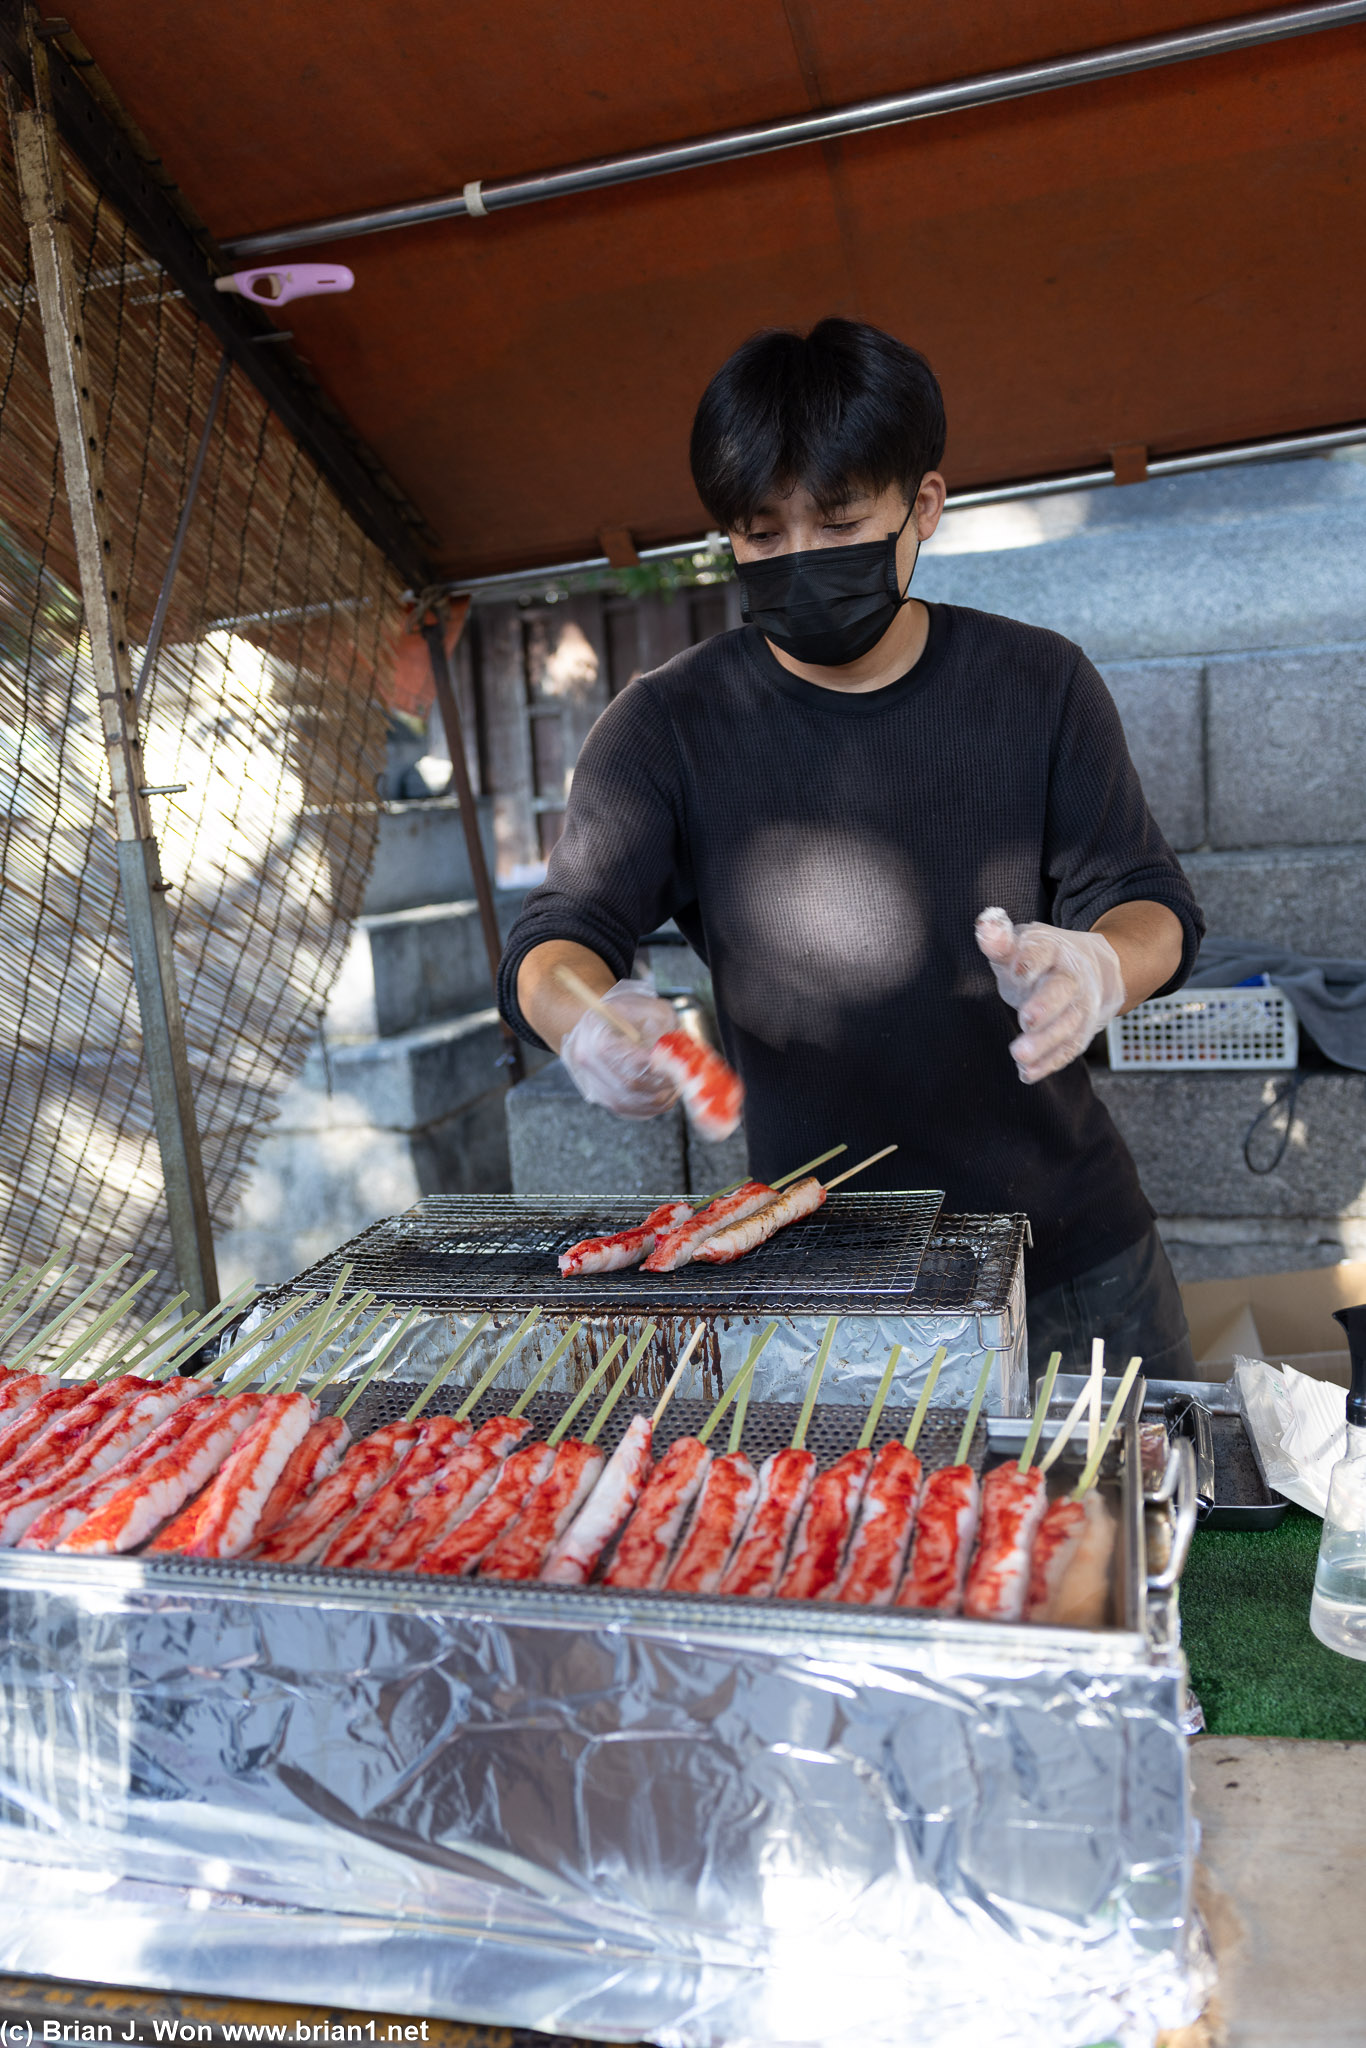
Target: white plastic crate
{"x": 1214, "y": 1028}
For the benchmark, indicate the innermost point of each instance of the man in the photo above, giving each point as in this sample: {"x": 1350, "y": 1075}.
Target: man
{"x": 828, "y": 800}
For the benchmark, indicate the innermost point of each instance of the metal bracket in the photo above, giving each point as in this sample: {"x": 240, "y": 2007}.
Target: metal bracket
{"x": 38, "y": 165}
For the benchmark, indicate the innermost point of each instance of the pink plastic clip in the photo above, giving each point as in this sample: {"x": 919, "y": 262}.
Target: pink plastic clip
{"x": 276, "y": 284}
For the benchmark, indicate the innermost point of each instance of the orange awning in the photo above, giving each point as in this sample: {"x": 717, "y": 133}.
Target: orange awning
{"x": 1168, "y": 260}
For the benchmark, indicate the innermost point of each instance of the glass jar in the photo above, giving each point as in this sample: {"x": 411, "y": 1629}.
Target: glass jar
{"x": 1337, "y": 1614}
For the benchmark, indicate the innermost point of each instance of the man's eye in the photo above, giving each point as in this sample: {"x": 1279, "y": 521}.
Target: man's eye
{"x": 842, "y": 525}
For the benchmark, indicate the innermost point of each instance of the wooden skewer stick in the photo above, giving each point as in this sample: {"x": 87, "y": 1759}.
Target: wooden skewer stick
{"x": 253, "y": 1337}
{"x": 279, "y": 1357}
{"x": 358, "y": 1343}
{"x": 974, "y": 1410}
{"x": 1093, "y": 1463}
{"x": 577, "y": 986}
{"x": 782, "y": 1180}
{"x": 884, "y": 1388}
{"x": 310, "y": 1350}
{"x": 813, "y": 1385}
{"x": 513, "y": 1344}
{"x": 281, "y": 1346}
{"x": 118, "y": 1356}
{"x": 850, "y": 1171}
{"x": 675, "y": 1378}
{"x": 316, "y": 1331}
{"x": 912, "y": 1435}
{"x": 1097, "y": 1381}
{"x": 382, "y": 1357}
{"x": 49, "y": 1330}
{"x": 87, "y": 1338}
{"x": 619, "y": 1385}
{"x": 23, "y": 1284}
{"x": 541, "y": 1374}
{"x": 1031, "y": 1442}
{"x": 738, "y": 1384}
{"x": 54, "y": 1286}
{"x": 205, "y": 1330}
{"x": 1064, "y": 1434}
{"x": 443, "y": 1372}
{"x": 617, "y": 1345}
{"x": 18, "y": 1283}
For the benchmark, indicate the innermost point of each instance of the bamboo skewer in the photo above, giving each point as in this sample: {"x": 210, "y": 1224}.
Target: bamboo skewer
{"x": 617, "y": 1345}
{"x": 102, "y": 1322}
{"x": 130, "y": 1344}
{"x": 739, "y": 1384}
{"x": 1031, "y": 1442}
{"x": 1094, "y": 1389}
{"x": 850, "y": 1171}
{"x": 357, "y": 1343}
{"x": 912, "y": 1435}
{"x": 538, "y": 1378}
{"x": 50, "y": 1330}
{"x": 577, "y": 986}
{"x": 23, "y": 1283}
{"x": 311, "y": 1350}
{"x": 263, "y": 1329}
{"x": 499, "y": 1362}
{"x": 676, "y": 1376}
{"x": 782, "y": 1180}
{"x": 381, "y": 1357}
{"x": 974, "y": 1410}
{"x": 619, "y": 1385}
{"x": 1093, "y": 1462}
{"x": 813, "y": 1385}
{"x": 53, "y": 1286}
{"x": 1063, "y": 1435}
{"x": 18, "y": 1283}
{"x": 443, "y": 1373}
{"x": 884, "y": 1388}
{"x": 209, "y": 1326}
{"x": 278, "y": 1349}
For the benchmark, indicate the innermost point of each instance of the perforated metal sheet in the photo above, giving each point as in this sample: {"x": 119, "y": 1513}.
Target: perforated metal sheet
{"x": 860, "y": 1253}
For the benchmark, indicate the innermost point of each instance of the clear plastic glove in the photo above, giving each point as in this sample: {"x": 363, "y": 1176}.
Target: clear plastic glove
{"x": 608, "y": 1068}
{"x": 1065, "y": 985}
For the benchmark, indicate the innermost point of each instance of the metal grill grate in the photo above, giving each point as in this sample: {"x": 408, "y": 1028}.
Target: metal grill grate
{"x": 833, "y": 1429}
{"x": 859, "y": 1254}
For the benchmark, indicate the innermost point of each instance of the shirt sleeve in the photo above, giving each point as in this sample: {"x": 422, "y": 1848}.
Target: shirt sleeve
{"x": 1102, "y": 844}
{"x": 621, "y": 865}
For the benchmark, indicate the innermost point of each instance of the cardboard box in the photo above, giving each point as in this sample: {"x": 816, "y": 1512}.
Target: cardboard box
{"x": 1285, "y": 1318}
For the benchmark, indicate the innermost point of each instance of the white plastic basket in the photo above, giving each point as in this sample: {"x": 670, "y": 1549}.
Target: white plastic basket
{"x": 1219, "y": 1029}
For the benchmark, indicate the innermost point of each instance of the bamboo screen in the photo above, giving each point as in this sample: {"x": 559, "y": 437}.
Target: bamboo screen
{"x": 263, "y": 702}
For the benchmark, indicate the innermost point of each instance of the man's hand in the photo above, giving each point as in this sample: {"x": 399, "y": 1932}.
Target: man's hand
{"x": 603, "y": 1064}
{"x": 1065, "y": 985}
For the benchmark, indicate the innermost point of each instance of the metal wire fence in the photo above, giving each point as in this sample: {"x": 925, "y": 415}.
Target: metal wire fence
{"x": 263, "y": 703}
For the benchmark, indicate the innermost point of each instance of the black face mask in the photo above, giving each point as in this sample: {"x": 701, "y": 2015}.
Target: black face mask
{"x": 826, "y": 606}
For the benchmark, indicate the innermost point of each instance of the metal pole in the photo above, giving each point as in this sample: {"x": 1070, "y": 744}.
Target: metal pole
{"x": 42, "y": 202}
{"x": 1120, "y": 60}
{"x": 434, "y": 633}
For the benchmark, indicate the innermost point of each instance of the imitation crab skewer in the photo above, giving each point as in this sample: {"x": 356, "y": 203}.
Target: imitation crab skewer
{"x": 786, "y": 1478}
{"x": 642, "y": 1556}
{"x": 876, "y": 1555}
{"x": 946, "y": 1522}
{"x": 754, "y": 1229}
{"x": 608, "y": 1508}
{"x": 1013, "y": 1500}
{"x": 1069, "y": 1579}
{"x": 712, "y": 1094}
{"x": 469, "y": 1475}
{"x": 726, "y": 1500}
{"x": 625, "y": 1248}
{"x": 35, "y": 1401}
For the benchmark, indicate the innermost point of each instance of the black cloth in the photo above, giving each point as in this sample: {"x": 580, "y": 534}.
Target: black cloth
{"x": 827, "y": 855}
{"x": 1131, "y": 1301}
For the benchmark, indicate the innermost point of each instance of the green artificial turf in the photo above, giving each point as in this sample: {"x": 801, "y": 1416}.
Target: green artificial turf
{"x": 1254, "y": 1665}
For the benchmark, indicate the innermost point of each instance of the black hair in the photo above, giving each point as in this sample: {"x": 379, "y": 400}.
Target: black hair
{"x": 843, "y": 408}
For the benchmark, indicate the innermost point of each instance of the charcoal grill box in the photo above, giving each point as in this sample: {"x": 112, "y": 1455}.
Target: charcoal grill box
{"x": 892, "y": 1267}
{"x": 626, "y": 1816}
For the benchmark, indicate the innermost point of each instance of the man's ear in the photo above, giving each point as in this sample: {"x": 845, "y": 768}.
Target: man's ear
{"x": 929, "y": 503}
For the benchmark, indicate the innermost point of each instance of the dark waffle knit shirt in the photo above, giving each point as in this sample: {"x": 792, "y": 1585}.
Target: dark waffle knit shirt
{"x": 827, "y": 855}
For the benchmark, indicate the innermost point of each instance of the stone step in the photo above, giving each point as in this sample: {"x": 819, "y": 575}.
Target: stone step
{"x": 558, "y": 1144}
{"x": 420, "y": 856}
{"x": 429, "y": 962}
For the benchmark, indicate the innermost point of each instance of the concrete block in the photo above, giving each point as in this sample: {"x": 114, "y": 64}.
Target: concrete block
{"x": 1186, "y": 1133}
{"x": 1287, "y": 748}
{"x": 467, "y": 1153}
{"x": 711, "y": 1167}
{"x": 561, "y": 1145}
{"x": 1310, "y": 898}
{"x": 429, "y": 962}
{"x": 415, "y": 1078}
{"x": 420, "y": 855}
{"x": 1159, "y": 702}
{"x": 1229, "y": 1248}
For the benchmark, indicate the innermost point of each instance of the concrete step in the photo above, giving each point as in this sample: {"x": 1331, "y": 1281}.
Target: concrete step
{"x": 429, "y": 962}
{"x": 420, "y": 856}
{"x": 559, "y": 1144}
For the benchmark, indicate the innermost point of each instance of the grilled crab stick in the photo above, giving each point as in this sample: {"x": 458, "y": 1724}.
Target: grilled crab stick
{"x": 302, "y": 1537}
{"x": 120, "y": 1433}
{"x": 677, "y": 1246}
{"x": 1069, "y": 1577}
{"x": 162, "y": 1487}
{"x": 524, "y": 1549}
{"x": 311, "y": 1461}
{"x": 801, "y": 1199}
{"x": 946, "y": 1523}
{"x": 230, "y": 1514}
{"x": 456, "y": 1492}
{"x": 370, "y": 1530}
{"x": 516, "y": 1481}
{"x": 642, "y": 1556}
{"x": 608, "y": 1508}
{"x": 1013, "y": 1501}
{"x": 62, "y": 1516}
{"x": 712, "y": 1094}
{"x": 625, "y": 1247}
{"x": 785, "y": 1482}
